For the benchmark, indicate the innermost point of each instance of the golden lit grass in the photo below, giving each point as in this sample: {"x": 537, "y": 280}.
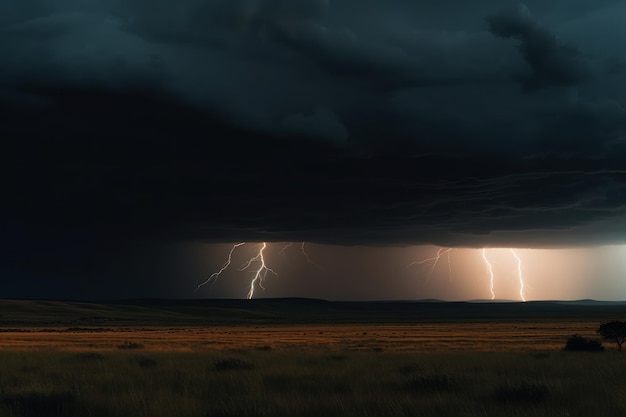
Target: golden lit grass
{"x": 310, "y": 383}
{"x": 427, "y": 369}
{"x": 91, "y": 365}
{"x": 423, "y": 337}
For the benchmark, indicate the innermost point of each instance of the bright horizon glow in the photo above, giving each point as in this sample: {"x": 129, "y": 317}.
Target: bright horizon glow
{"x": 520, "y": 275}
{"x": 491, "y": 276}
{"x": 418, "y": 272}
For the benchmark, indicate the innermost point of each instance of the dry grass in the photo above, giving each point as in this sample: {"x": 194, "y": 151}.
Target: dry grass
{"x": 423, "y": 337}
{"x": 309, "y": 383}
{"x": 430, "y": 369}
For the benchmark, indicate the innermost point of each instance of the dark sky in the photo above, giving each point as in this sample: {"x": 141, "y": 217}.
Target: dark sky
{"x": 131, "y": 128}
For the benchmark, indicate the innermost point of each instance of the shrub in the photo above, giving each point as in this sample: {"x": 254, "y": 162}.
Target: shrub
{"x": 429, "y": 383}
{"x": 232, "y": 364}
{"x": 264, "y": 348}
{"x": 337, "y": 358}
{"x": 88, "y": 356}
{"x": 522, "y": 393}
{"x": 579, "y": 343}
{"x": 145, "y": 362}
{"x": 130, "y": 345}
{"x": 409, "y": 369}
{"x": 48, "y": 404}
{"x": 614, "y": 331}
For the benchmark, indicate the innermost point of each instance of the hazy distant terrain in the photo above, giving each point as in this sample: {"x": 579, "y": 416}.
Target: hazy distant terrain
{"x": 292, "y": 311}
{"x": 300, "y": 324}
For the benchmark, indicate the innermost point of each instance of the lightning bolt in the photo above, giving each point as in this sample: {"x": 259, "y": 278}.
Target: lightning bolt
{"x": 259, "y": 262}
{"x": 304, "y": 253}
{"x": 491, "y": 276}
{"x": 260, "y": 273}
{"x": 308, "y": 258}
{"x": 287, "y": 246}
{"x": 519, "y": 275}
{"x": 214, "y": 276}
{"x": 450, "y": 264}
{"x": 435, "y": 260}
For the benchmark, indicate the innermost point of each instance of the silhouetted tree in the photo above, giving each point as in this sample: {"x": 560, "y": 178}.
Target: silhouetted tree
{"x": 579, "y": 343}
{"x": 614, "y": 331}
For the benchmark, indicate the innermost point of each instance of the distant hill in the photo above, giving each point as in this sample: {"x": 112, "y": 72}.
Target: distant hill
{"x": 165, "y": 312}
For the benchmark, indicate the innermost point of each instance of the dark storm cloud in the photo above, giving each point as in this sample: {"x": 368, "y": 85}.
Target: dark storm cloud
{"x": 551, "y": 61}
{"x": 377, "y": 122}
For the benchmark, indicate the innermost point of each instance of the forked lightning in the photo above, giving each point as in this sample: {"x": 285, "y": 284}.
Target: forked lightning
{"x": 434, "y": 261}
{"x": 260, "y": 263}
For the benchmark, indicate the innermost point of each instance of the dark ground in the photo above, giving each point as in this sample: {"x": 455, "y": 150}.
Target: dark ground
{"x": 293, "y": 311}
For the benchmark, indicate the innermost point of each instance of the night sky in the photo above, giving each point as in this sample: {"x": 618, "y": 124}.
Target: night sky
{"x": 139, "y": 137}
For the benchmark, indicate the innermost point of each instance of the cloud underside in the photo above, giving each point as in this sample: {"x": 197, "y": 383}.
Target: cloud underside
{"x": 134, "y": 176}
{"x": 267, "y": 120}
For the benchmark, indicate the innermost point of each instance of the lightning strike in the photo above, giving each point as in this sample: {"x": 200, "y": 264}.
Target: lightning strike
{"x": 435, "y": 260}
{"x": 450, "y": 265}
{"x": 287, "y": 246}
{"x": 308, "y": 258}
{"x": 214, "y": 276}
{"x": 260, "y": 273}
{"x": 519, "y": 275}
{"x": 491, "y": 276}
{"x": 261, "y": 269}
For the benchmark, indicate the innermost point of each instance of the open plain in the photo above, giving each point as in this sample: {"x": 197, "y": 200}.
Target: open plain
{"x": 305, "y": 358}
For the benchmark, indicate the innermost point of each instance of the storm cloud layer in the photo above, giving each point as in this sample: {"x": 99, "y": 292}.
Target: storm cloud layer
{"x": 349, "y": 122}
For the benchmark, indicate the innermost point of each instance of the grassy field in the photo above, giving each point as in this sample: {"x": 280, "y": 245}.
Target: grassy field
{"x": 418, "y": 338}
{"x": 309, "y": 383}
{"x": 91, "y": 360}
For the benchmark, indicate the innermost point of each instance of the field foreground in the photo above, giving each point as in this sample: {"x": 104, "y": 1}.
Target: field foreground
{"x": 423, "y": 337}
{"x": 77, "y": 359}
{"x": 301, "y": 383}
